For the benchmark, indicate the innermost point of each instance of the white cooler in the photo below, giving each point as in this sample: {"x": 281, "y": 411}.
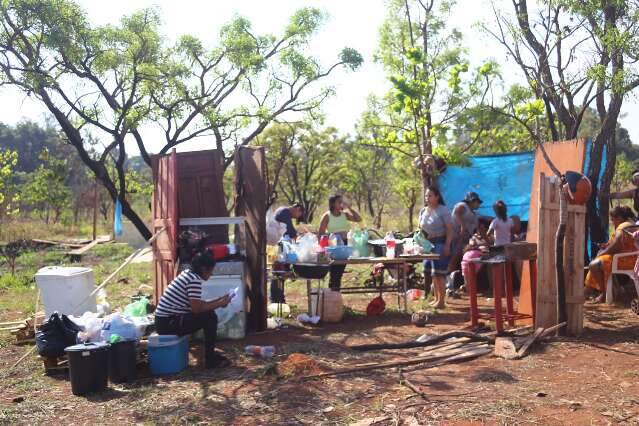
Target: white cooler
{"x": 66, "y": 290}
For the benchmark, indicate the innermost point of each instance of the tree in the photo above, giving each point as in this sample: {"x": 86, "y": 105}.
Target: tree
{"x": 46, "y": 188}
{"x": 576, "y": 54}
{"x": 429, "y": 72}
{"x": 8, "y": 161}
{"x": 406, "y": 184}
{"x": 367, "y": 175}
{"x": 309, "y": 170}
{"x": 110, "y": 81}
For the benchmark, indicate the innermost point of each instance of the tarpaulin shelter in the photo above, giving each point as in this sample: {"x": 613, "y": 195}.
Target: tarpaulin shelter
{"x": 506, "y": 177}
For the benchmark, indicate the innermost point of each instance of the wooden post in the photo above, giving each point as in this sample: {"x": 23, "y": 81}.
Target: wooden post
{"x": 96, "y": 199}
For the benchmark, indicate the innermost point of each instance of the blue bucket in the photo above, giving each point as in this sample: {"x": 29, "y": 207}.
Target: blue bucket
{"x": 168, "y": 354}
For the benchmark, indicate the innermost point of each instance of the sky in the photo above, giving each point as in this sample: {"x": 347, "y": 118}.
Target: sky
{"x": 351, "y": 23}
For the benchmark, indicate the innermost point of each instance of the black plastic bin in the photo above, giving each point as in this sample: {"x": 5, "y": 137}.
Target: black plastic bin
{"x": 122, "y": 362}
{"x": 88, "y": 367}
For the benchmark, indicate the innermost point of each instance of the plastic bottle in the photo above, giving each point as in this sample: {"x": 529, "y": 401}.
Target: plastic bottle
{"x": 323, "y": 242}
{"x": 261, "y": 351}
{"x": 335, "y": 240}
{"x": 390, "y": 245}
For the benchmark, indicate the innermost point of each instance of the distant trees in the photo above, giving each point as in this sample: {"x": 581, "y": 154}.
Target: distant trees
{"x": 8, "y": 161}
{"x": 111, "y": 80}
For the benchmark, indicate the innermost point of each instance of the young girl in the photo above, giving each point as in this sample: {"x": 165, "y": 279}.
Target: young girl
{"x": 501, "y": 228}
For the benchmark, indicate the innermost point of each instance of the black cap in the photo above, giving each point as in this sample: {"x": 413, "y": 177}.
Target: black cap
{"x": 472, "y": 196}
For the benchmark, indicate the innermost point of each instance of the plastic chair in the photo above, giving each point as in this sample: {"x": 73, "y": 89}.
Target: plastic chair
{"x": 616, "y": 270}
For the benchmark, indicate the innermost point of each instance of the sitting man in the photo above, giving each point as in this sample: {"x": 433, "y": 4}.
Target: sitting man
{"x": 182, "y": 311}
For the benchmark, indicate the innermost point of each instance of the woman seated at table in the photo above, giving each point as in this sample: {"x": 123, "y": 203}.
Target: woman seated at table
{"x": 182, "y": 311}
{"x": 336, "y": 221}
{"x": 621, "y": 242}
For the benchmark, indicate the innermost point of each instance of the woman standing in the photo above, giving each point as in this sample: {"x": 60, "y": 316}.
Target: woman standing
{"x": 435, "y": 220}
{"x": 182, "y": 311}
{"x": 336, "y": 221}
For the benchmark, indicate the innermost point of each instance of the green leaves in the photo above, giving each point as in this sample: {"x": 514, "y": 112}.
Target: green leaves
{"x": 351, "y": 58}
{"x": 8, "y": 161}
{"x": 304, "y": 23}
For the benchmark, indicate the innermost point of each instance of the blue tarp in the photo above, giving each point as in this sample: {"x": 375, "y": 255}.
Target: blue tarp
{"x": 506, "y": 177}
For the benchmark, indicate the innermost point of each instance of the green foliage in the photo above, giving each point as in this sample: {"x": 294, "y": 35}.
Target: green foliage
{"x": 46, "y": 188}
{"x": 8, "y": 161}
{"x": 303, "y": 163}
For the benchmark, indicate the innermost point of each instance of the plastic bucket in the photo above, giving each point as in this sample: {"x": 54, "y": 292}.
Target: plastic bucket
{"x": 168, "y": 354}
{"x": 88, "y": 367}
{"x": 122, "y": 362}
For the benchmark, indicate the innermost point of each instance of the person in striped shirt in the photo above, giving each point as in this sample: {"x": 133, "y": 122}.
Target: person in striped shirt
{"x": 182, "y": 311}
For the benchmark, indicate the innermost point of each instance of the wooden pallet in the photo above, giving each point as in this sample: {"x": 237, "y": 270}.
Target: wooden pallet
{"x": 55, "y": 365}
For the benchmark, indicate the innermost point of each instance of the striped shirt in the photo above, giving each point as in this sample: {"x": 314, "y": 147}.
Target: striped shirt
{"x": 175, "y": 300}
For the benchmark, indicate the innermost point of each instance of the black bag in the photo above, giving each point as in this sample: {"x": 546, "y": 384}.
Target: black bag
{"x": 55, "y": 334}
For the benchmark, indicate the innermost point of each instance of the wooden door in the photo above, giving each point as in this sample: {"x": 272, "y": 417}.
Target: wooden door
{"x": 165, "y": 215}
{"x": 251, "y": 193}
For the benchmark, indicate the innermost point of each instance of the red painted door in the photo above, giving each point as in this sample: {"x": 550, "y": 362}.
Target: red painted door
{"x": 165, "y": 214}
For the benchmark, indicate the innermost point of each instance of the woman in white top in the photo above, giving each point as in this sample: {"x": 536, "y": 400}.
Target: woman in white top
{"x": 501, "y": 228}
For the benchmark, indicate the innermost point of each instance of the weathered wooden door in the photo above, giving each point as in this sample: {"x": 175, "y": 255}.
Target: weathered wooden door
{"x": 165, "y": 214}
{"x": 251, "y": 192}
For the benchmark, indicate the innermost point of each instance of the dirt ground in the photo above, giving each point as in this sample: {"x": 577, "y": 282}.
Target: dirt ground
{"x": 590, "y": 380}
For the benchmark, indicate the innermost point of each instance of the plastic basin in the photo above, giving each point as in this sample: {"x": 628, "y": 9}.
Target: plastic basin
{"x": 339, "y": 252}
{"x": 168, "y": 354}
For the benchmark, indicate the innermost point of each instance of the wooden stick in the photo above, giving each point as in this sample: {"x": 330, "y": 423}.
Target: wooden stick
{"x": 548, "y": 331}
{"x": 125, "y": 263}
{"x": 23, "y": 357}
{"x": 435, "y": 360}
{"x": 414, "y": 344}
{"x": 412, "y": 387}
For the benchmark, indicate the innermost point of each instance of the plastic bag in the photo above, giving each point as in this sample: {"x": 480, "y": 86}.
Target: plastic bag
{"x": 359, "y": 243}
{"x": 137, "y": 308}
{"x": 117, "y": 218}
{"x": 229, "y": 311}
{"x": 91, "y": 326}
{"x": 420, "y": 239}
{"x": 55, "y": 334}
{"x": 122, "y": 325}
{"x": 274, "y": 229}
{"x": 306, "y": 248}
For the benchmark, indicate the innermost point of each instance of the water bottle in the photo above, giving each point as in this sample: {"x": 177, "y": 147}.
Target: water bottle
{"x": 260, "y": 351}
{"x": 390, "y": 245}
{"x": 335, "y": 240}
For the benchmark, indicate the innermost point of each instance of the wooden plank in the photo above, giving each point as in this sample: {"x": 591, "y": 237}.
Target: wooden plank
{"x": 165, "y": 214}
{"x": 529, "y": 342}
{"x": 251, "y": 193}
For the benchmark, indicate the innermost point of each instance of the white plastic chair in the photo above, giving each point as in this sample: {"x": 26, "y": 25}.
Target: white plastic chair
{"x": 616, "y": 270}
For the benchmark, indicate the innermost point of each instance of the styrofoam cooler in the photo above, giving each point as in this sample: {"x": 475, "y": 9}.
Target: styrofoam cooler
{"x": 218, "y": 286}
{"x": 66, "y": 290}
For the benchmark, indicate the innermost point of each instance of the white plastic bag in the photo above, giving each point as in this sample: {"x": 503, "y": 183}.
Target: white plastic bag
{"x": 123, "y": 326}
{"x": 306, "y": 248}
{"x": 91, "y": 327}
{"x": 274, "y": 229}
{"x": 235, "y": 306}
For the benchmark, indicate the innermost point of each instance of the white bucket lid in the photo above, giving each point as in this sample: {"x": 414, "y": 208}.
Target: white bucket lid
{"x": 62, "y": 271}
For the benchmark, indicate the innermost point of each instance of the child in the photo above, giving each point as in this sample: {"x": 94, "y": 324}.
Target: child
{"x": 477, "y": 245}
{"x": 501, "y": 228}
